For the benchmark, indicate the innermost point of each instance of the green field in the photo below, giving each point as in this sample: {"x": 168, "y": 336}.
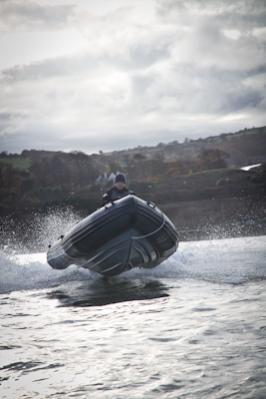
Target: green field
{"x": 19, "y": 163}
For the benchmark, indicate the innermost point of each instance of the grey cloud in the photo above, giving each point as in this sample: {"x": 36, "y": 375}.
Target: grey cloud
{"x": 155, "y": 83}
{"x": 240, "y": 7}
{"x": 190, "y": 89}
{"x": 144, "y": 55}
{"x": 55, "y": 67}
{"x": 24, "y": 15}
{"x": 243, "y": 100}
{"x": 243, "y": 15}
{"x": 139, "y": 56}
{"x": 9, "y": 120}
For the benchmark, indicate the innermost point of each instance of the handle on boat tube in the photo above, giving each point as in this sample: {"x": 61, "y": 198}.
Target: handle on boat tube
{"x": 109, "y": 204}
{"x": 151, "y": 204}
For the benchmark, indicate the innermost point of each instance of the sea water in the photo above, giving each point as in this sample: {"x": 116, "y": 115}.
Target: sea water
{"x": 194, "y": 327}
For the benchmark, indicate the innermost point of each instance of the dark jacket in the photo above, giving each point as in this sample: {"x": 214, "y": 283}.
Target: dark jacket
{"x": 114, "y": 194}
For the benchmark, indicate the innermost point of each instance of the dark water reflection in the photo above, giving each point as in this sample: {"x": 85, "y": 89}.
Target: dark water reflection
{"x": 103, "y": 292}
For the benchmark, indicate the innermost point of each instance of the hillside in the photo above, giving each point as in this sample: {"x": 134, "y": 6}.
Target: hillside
{"x": 172, "y": 175}
{"x": 244, "y": 147}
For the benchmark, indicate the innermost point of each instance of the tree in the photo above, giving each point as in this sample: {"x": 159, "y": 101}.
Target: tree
{"x": 212, "y": 159}
{"x": 139, "y": 157}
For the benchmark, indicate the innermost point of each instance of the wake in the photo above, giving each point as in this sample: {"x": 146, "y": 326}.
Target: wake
{"x": 31, "y": 271}
{"x": 230, "y": 261}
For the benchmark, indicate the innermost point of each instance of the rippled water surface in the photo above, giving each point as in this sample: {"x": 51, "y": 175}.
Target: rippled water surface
{"x": 194, "y": 327}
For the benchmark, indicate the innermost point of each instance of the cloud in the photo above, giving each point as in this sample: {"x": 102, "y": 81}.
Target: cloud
{"x": 30, "y": 14}
{"x": 238, "y": 14}
{"x": 172, "y": 70}
{"x": 10, "y": 120}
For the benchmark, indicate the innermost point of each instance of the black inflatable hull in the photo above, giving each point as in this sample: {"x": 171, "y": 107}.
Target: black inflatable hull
{"x": 120, "y": 236}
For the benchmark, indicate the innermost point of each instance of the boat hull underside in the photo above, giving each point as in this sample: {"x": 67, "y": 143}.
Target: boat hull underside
{"x": 132, "y": 235}
{"x": 123, "y": 253}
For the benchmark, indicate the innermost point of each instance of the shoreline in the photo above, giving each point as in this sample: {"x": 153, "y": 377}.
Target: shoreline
{"x": 205, "y": 219}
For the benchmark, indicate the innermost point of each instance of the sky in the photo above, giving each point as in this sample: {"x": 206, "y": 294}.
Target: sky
{"x": 92, "y": 75}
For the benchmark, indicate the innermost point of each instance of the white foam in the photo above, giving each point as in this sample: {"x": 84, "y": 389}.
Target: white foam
{"x": 28, "y": 271}
{"x": 223, "y": 261}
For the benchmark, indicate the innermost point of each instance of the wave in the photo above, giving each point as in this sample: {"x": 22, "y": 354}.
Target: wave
{"x": 232, "y": 261}
{"x": 31, "y": 271}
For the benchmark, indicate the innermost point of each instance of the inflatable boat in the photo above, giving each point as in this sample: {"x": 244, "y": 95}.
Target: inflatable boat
{"x": 121, "y": 235}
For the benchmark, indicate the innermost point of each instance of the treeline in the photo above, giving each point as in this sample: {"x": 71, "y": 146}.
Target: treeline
{"x": 36, "y": 179}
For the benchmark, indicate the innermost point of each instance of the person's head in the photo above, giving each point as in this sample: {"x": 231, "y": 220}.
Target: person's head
{"x": 120, "y": 181}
